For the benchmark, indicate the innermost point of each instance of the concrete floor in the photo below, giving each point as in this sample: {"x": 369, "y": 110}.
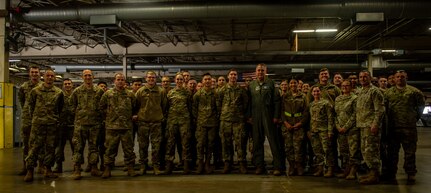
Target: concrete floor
{"x": 10, "y": 163}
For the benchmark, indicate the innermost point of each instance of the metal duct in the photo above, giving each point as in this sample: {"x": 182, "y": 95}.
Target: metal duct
{"x": 407, "y": 66}
{"x": 214, "y": 10}
{"x": 165, "y": 67}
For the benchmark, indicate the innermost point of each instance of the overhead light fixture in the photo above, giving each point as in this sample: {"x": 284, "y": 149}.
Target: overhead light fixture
{"x": 14, "y": 60}
{"x": 304, "y": 31}
{"x": 389, "y": 51}
{"x": 13, "y": 69}
{"x": 326, "y": 30}
{"x": 429, "y": 28}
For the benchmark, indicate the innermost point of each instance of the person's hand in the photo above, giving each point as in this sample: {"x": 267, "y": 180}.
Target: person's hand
{"x": 309, "y": 135}
{"x": 374, "y": 129}
{"x": 342, "y": 130}
{"x": 288, "y": 126}
{"x": 297, "y": 126}
{"x": 250, "y": 120}
{"x": 275, "y": 120}
{"x": 134, "y": 117}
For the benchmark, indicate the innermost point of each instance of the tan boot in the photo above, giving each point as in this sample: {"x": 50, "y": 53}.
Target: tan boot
{"x": 345, "y": 173}
{"x": 243, "y": 167}
{"x": 299, "y": 168}
{"x": 352, "y": 173}
{"x": 40, "y": 169}
{"x": 77, "y": 172}
{"x": 24, "y": 169}
{"x": 226, "y": 168}
{"x": 200, "y": 168}
{"x": 143, "y": 169}
{"x": 319, "y": 171}
{"x": 157, "y": 170}
{"x": 107, "y": 172}
{"x": 29, "y": 176}
{"x": 169, "y": 167}
{"x": 330, "y": 172}
{"x": 186, "y": 167}
{"x": 131, "y": 170}
{"x": 208, "y": 168}
{"x": 58, "y": 167}
{"x": 95, "y": 171}
{"x": 49, "y": 174}
{"x": 291, "y": 171}
{"x": 373, "y": 178}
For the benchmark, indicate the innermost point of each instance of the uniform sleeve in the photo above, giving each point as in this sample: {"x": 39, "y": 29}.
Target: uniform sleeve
{"x": 249, "y": 105}
{"x": 351, "y": 122}
{"x": 60, "y": 103}
{"x": 305, "y": 113}
{"x": 420, "y": 103}
{"x": 21, "y": 96}
{"x": 330, "y": 113}
{"x": 74, "y": 100}
{"x": 31, "y": 103}
{"x": 137, "y": 102}
{"x": 164, "y": 102}
{"x": 195, "y": 105}
{"x": 245, "y": 100}
{"x": 103, "y": 105}
{"x": 134, "y": 102}
{"x": 219, "y": 100}
{"x": 379, "y": 107}
{"x": 277, "y": 102}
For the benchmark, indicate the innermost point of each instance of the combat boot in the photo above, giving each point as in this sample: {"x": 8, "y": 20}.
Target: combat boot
{"x": 40, "y": 169}
{"x": 352, "y": 173}
{"x": 29, "y": 176}
{"x": 200, "y": 168}
{"x": 48, "y": 173}
{"x": 58, "y": 168}
{"x": 157, "y": 170}
{"x": 291, "y": 171}
{"x": 77, "y": 172}
{"x": 373, "y": 178}
{"x": 208, "y": 168}
{"x": 243, "y": 167}
{"x": 95, "y": 171}
{"x": 144, "y": 168}
{"x": 330, "y": 172}
{"x": 299, "y": 169}
{"x": 411, "y": 179}
{"x": 186, "y": 167}
{"x": 88, "y": 168}
{"x": 260, "y": 170}
{"x": 131, "y": 171}
{"x": 226, "y": 168}
{"x": 345, "y": 173}
{"x": 169, "y": 167}
{"x": 24, "y": 169}
{"x": 107, "y": 172}
{"x": 319, "y": 171}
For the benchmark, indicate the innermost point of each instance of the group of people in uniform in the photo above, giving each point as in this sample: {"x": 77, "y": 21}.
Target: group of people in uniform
{"x": 208, "y": 124}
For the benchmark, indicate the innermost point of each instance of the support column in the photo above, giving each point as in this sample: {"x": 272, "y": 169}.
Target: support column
{"x": 375, "y": 61}
{"x": 6, "y": 88}
{"x": 125, "y": 66}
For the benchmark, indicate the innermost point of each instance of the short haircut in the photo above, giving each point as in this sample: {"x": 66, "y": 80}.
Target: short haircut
{"x": 35, "y": 67}
{"x": 67, "y": 79}
{"x": 136, "y": 80}
{"x": 101, "y": 82}
{"x": 150, "y": 72}
{"x": 206, "y": 74}
{"x": 324, "y": 69}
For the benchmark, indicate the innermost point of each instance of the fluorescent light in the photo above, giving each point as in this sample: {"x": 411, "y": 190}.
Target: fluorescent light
{"x": 389, "y": 51}
{"x": 13, "y": 60}
{"x": 304, "y": 31}
{"x": 429, "y": 28}
{"x": 326, "y": 30}
{"x": 14, "y": 69}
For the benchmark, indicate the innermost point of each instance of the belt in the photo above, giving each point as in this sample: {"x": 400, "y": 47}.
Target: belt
{"x": 294, "y": 115}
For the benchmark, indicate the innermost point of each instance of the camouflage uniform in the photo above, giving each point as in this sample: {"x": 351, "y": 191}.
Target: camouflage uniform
{"x": 349, "y": 142}
{"x": 369, "y": 111}
{"x": 88, "y": 121}
{"x": 65, "y": 133}
{"x": 321, "y": 124}
{"x": 178, "y": 123}
{"x": 294, "y": 110}
{"x": 44, "y": 108}
{"x": 151, "y": 103}
{"x": 204, "y": 110}
{"x": 264, "y": 107}
{"x": 117, "y": 106}
{"x": 404, "y": 108}
{"x": 232, "y": 102}
{"x": 23, "y": 95}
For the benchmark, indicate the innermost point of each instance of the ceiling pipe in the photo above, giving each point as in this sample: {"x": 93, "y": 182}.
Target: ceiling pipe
{"x": 392, "y": 9}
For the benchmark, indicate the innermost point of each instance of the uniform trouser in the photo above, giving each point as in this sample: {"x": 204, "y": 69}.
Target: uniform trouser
{"x": 322, "y": 148}
{"x": 178, "y": 132}
{"x": 25, "y": 136}
{"x": 205, "y": 138}
{"x": 113, "y": 139}
{"x": 407, "y": 138}
{"x": 101, "y": 144}
{"x": 261, "y": 128}
{"x": 349, "y": 146}
{"x": 149, "y": 131}
{"x": 230, "y": 133}
{"x": 249, "y": 130}
{"x": 65, "y": 133}
{"x": 81, "y": 134}
{"x": 293, "y": 140}
{"x": 42, "y": 137}
{"x": 370, "y": 148}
